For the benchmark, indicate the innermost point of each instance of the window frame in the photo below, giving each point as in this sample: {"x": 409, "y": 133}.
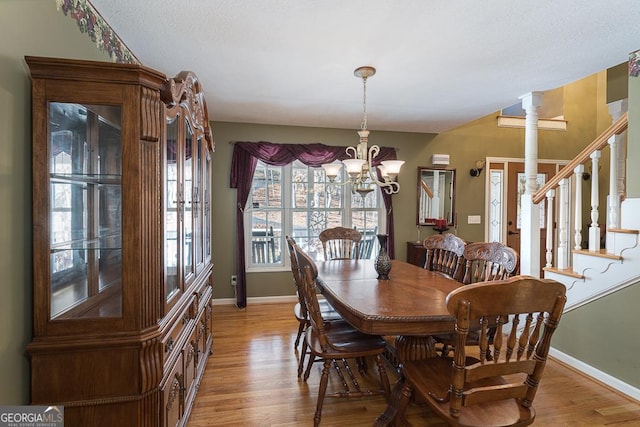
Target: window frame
{"x": 287, "y": 209}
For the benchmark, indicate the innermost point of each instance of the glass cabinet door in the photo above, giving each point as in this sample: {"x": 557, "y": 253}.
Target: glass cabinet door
{"x": 187, "y": 230}
{"x": 171, "y": 213}
{"x": 187, "y": 205}
{"x": 85, "y": 210}
{"x": 206, "y": 194}
{"x": 197, "y": 197}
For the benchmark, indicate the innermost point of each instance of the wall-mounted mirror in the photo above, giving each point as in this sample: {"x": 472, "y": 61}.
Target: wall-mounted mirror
{"x": 436, "y": 195}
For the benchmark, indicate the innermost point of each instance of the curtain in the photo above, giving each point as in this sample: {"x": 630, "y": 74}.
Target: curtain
{"x": 243, "y": 165}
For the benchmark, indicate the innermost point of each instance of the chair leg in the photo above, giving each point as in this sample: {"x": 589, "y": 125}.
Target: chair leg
{"x": 362, "y": 365}
{"x": 301, "y": 327}
{"x": 384, "y": 378}
{"x": 307, "y": 371}
{"x": 321, "y": 391}
{"x": 303, "y": 354}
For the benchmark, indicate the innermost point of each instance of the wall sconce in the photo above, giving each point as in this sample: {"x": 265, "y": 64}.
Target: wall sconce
{"x": 478, "y": 169}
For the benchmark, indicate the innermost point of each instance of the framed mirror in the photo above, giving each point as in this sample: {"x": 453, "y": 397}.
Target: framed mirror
{"x": 436, "y": 196}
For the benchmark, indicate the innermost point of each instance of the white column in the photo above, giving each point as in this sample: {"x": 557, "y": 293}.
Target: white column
{"x": 530, "y": 213}
{"x": 563, "y": 226}
{"x": 577, "y": 213}
{"x": 617, "y": 165}
{"x": 549, "y": 253}
{"x": 613, "y": 197}
{"x": 594, "y": 229}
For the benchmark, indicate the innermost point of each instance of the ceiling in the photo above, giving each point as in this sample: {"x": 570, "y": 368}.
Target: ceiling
{"x": 439, "y": 63}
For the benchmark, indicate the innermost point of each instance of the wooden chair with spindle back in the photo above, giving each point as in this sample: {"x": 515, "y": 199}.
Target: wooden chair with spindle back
{"x": 487, "y": 261}
{"x": 444, "y": 255}
{"x": 300, "y": 308}
{"x": 340, "y": 243}
{"x": 336, "y": 341}
{"x": 483, "y": 262}
{"x": 469, "y": 391}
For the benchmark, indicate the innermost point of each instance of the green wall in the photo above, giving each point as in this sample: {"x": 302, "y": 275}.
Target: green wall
{"x": 29, "y": 27}
{"x": 585, "y": 110}
{"x": 412, "y": 148}
{"x": 604, "y": 334}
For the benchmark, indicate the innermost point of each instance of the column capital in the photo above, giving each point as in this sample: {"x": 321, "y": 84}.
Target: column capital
{"x": 531, "y": 99}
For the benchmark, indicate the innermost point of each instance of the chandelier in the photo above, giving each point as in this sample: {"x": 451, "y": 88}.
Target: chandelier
{"x": 362, "y": 173}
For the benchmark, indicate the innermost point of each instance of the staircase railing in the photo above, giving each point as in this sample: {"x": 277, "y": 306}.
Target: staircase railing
{"x": 560, "y": 186}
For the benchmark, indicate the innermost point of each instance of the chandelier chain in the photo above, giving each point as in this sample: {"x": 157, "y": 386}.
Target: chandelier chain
{"x": 363, "y": 126}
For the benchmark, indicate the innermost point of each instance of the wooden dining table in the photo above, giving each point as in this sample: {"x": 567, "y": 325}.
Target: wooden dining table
{"x": 409, "y": 305}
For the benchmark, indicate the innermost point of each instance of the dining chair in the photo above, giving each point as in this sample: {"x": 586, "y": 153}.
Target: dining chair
{"x": 474, "y": 391}
{"x": 340, "y": 243}
{"x": 487, "y": 261}
{"x": 444, "y": 255}
{"x": 300, "y": 308}
{"x": 367, "y": 242}
{"x": 483, "y": 262}
{"x": 335, "y": 342}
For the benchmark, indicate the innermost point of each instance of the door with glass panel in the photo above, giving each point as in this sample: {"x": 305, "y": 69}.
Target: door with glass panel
{"x": 506, "y": 186}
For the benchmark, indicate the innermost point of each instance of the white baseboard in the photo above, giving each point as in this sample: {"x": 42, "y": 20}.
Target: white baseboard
{"x": 596, "y": 374}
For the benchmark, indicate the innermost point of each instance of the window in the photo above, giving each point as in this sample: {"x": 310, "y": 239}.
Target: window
{"x": 299, "y": 201}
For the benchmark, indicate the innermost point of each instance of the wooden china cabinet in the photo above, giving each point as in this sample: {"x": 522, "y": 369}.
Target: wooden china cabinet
{"x": 121, "y": 248}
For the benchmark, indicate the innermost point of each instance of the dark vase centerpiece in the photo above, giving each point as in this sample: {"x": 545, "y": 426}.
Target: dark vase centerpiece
{"x": 383, "y": 262}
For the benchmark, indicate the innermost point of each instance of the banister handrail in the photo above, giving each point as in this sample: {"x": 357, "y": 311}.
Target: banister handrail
{"x": 426, "y": 189}
{"x": 599, "y": 143}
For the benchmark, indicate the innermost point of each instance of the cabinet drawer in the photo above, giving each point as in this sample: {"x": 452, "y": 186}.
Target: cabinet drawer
{"x": 190, "y": 357}
{"x": 172, "y": 396}
{"x": 205, "y": 337}
{"x": 174, "y": 339}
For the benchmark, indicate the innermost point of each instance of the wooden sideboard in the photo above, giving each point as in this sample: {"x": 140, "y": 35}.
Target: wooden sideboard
{"x": 122, "y": 271}
{"x": 416, "y": 253}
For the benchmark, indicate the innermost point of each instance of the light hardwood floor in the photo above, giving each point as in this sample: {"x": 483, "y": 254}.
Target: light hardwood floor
{"x": 251, "y": 380}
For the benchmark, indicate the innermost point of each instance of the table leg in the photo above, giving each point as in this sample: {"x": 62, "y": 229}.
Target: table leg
{"x": 415, "y": 347}
{"x": 407, "y": 348}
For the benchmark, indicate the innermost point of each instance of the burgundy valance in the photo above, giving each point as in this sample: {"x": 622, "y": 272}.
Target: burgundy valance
{"x": 243, "y": 165}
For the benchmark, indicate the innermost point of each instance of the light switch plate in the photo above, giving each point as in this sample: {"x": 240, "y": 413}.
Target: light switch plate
{"x": 473, "y": 219}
